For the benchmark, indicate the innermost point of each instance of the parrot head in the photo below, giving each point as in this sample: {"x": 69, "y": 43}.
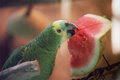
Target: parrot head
{"x": 64, "y": 29}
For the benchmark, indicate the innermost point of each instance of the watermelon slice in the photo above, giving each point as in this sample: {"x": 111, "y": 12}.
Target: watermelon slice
{"x": 87, "y": 45}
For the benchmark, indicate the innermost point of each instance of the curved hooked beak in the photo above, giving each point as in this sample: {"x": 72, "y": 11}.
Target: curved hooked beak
{"x": 70, "y": 29}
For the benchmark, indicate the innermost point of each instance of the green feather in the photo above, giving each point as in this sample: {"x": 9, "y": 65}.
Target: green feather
{"x": 13, "y": 59}
{"x": 43, "y": 48}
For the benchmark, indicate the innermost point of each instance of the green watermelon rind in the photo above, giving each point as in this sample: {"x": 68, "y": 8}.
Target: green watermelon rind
{"x": 100, "y": 38}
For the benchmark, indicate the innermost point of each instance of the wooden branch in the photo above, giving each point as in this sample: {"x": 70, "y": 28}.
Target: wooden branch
{"x": 22, "y": 71}
{"x": 103, "y": 71}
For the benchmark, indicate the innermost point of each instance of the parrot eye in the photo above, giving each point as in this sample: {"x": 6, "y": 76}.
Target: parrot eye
{"x": 59, "y": 30}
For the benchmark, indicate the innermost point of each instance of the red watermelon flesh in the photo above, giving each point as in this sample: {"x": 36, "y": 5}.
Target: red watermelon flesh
{"x": 85, "y": 46}
{"x": 81, "y": 45}
{"x": 89, "y": 24}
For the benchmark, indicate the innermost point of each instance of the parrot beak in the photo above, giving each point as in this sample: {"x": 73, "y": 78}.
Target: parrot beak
{"x": 70, "y": 29}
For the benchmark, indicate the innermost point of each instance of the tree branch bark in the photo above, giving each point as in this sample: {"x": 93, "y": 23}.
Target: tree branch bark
{"x": 22, "y": 71}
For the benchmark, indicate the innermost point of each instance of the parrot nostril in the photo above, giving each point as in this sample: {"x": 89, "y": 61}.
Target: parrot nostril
{"x": 67, "y": 24}
{"x": 70, "y": 25}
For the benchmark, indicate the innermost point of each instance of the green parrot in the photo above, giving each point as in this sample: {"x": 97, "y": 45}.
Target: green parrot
{"x": 43, "y": 48}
